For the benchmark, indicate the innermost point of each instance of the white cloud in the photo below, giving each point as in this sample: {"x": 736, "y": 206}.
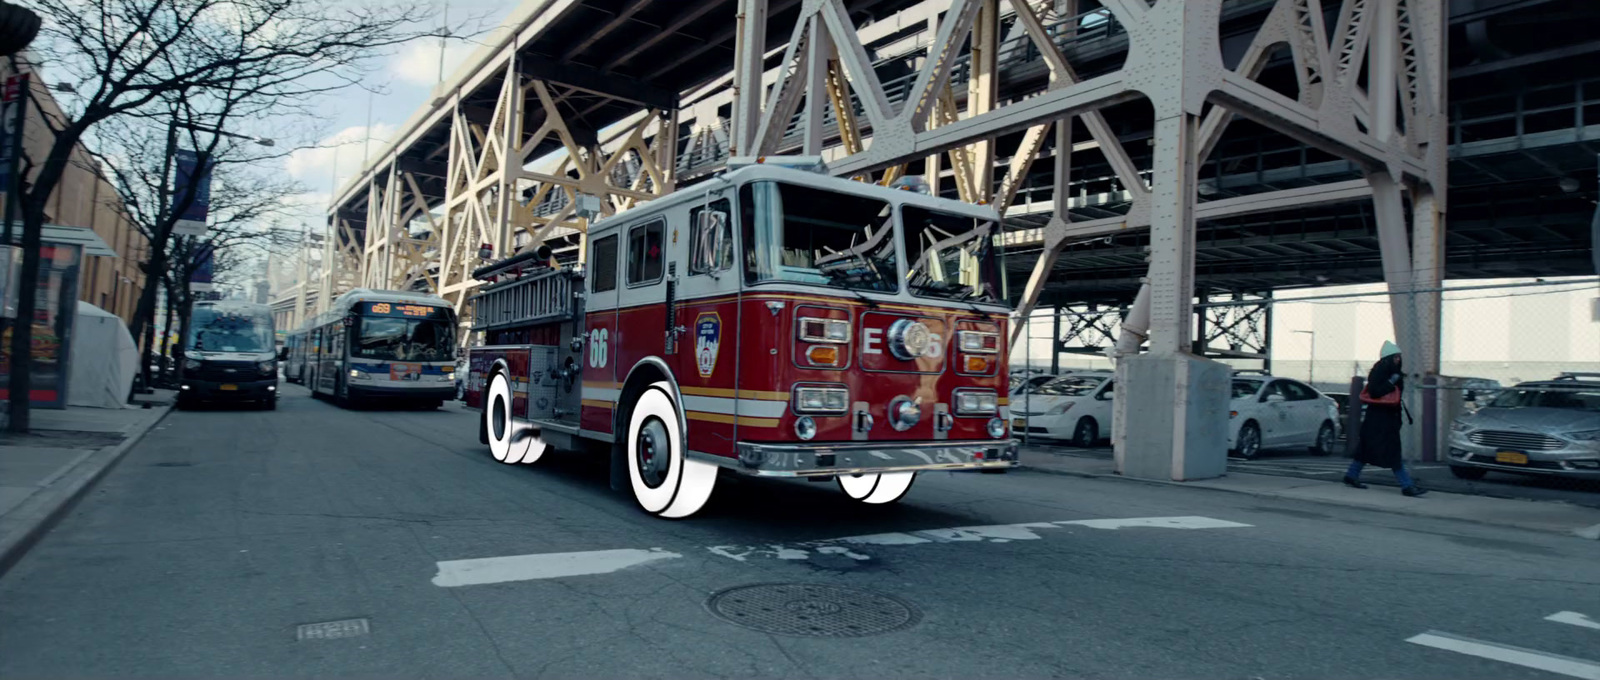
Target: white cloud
{"x": 335, "y": 159}
{"x": 418, "y": 62}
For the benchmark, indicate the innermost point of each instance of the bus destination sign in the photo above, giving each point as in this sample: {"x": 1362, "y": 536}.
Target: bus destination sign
{"x": 404, "y": 310}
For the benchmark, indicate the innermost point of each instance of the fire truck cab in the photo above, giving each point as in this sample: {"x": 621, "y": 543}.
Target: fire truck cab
{"x": 771, "y": 321}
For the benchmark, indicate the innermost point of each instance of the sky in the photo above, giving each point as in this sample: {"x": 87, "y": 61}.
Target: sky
{"x": 358, "y": 123}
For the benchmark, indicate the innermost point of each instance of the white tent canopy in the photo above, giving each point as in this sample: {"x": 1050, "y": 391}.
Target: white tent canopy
{"x": 103, "y": 362}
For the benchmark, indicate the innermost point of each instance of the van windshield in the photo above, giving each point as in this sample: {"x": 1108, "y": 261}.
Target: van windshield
{"x": 230, "y": 330}
{"x": 806, "y": 235}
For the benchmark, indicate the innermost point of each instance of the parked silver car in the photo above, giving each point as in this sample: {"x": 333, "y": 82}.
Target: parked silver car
{"x": 1549, "y": 427}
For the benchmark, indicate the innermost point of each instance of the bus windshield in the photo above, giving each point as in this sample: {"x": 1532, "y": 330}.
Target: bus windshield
{"x": 214, "y": 329}
{"x": 805, "y": 235}
{"x": 952, "y": 256}
{"x": 397, "y": 332}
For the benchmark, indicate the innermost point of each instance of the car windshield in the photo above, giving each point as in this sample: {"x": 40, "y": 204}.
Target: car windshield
{"x": 1070, "y": 386}
{"x": 1245, "y": 388}
{"x": 1574, "y": 398}
{"x": 224, "y": 330}
{"x": 399, "y": 339}
{"x": 952, "y": 256}
{"x": 805, "y": 235}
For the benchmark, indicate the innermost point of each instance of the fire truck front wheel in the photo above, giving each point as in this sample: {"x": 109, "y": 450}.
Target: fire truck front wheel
{"x": 665, "y": 482}
{"x": 877, "y": 489}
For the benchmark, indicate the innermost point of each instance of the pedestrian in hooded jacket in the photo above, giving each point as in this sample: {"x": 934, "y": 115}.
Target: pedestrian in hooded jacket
{"x": 1380, "y": 425}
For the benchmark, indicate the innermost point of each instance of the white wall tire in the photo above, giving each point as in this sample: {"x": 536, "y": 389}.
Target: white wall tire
{"x": 877, "y": 489}
{"x": 510, "y": 441}
{"x": 665, "y": 483}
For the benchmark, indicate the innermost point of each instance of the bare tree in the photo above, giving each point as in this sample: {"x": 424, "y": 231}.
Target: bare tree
{"x": 207, "y": 64}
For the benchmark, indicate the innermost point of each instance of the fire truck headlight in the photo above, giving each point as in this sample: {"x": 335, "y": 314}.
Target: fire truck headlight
{"x": 976, "y": 402}
{"x": 997, "y": 428}
{"x": 909, "y": 339}
{"x": 978, "y": 342}
{"x": 835, "y": 331}
{"x": 805, "y": 428}
{"x": 904, "y": 413}
{"x": 821, "y": 400}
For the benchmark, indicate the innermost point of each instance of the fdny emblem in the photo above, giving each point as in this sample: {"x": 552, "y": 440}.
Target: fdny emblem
{"x": 707, "y": 338}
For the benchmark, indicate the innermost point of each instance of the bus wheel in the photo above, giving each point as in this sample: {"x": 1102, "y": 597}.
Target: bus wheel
{"x": 877, "y": 489}
{"x": 510, "y": 442}
{"x": 665, "y": 482}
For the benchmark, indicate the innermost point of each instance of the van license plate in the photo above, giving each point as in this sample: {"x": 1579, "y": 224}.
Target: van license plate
{"x": 229, "y": 388}
{"x": 1511, "y": 457}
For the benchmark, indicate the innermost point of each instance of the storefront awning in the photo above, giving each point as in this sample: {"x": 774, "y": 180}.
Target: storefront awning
{"x": 80, "y": 236}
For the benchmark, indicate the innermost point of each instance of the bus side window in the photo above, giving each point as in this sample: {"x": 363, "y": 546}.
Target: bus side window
{"x": 603, "y": 264}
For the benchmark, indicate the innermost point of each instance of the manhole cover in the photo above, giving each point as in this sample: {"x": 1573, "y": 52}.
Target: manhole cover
{"x": 812, "y": 610}
{"x": 332, "y": 630}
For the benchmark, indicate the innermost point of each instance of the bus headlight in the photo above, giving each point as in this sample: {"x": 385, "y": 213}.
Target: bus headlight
{"x": 909, "y": 339}
{"x": 821, "y": 400}
{"x": 358, "y": 375}
{"x": 976, "y": 402}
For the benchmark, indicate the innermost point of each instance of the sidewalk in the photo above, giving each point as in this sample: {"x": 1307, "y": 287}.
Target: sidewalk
{"x": 43, "y": 472}
{"x": 1550, "y": 516}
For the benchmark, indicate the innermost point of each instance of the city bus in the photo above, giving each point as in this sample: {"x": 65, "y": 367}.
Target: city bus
{"x": 229, "y": 355}
{"x": 294, "y": 364}
{"x": 771, "y": 322}
{"x": 382, "y": 346}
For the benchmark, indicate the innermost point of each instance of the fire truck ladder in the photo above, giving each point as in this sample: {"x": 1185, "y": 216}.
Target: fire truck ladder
{"x": 545, "y": 297}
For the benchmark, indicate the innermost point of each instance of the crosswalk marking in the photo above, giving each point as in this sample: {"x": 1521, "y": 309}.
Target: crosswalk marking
{"x": 1528, "y": 658}
{"x": 994, "y": 533}
{"x": 1574, "y": 618}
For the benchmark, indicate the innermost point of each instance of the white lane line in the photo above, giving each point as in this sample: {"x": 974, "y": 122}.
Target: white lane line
{"x": 473, "y": 572}
{"x": 1554, "y": 663}
{"x": 1574, "y": 618}
{"x": 994, "y": 533}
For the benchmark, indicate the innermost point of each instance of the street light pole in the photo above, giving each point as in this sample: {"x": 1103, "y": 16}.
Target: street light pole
{"x": 1311, "y": 373}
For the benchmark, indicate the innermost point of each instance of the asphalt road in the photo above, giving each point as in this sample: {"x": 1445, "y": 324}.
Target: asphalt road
{"x": 1434, "y": 476}
{"x": 201, "y": 553}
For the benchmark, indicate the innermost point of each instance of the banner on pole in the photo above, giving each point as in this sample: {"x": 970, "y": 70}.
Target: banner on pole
{"x": 200, "y": 280}
{"x": 13, "y": 112}
{"x": 192, "y": 220}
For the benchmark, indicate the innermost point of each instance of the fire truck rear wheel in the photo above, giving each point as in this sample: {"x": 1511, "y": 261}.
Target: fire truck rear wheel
{"x": 509, "y": 441}
{"x": 877, "y": 489}
{"x": 665, "y": 482}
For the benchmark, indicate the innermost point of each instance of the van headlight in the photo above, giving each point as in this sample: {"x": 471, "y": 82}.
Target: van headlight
{"x": 976, "y": 403}
{"x": 191, "y": 364}
{"x": 268, "y": 367}
{"x": 821, "y": 400}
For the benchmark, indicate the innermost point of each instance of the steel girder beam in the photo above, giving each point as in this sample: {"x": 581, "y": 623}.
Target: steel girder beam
{"x": 596, "y": 81}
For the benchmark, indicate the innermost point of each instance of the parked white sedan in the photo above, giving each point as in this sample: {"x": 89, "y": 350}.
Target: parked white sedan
{"x": 1076, "y": 407}
{"x": 1273, "y": 413}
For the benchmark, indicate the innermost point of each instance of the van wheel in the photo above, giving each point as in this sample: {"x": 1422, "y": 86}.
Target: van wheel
{"x": 665, "y": 482}
{"x": 877, "y": 489}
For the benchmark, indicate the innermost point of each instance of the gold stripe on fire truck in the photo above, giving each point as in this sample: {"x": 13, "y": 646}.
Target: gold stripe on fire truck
{"x": 727, "y": 419}
{"x": 598, "y": 403}
{"x": 725, "y": 393}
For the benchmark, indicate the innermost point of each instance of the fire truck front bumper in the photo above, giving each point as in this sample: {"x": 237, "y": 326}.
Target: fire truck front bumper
{"x": 847, "y": 458}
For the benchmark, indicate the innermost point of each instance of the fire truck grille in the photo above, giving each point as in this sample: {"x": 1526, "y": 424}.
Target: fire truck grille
{"x": 812, "y": 610}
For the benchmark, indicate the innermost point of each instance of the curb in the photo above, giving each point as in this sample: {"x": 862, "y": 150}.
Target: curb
{"x": 1592, "y": 533}
{"x": 41, "y": 511}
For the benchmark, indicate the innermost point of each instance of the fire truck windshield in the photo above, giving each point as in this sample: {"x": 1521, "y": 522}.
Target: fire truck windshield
{"x": 952, "y": 256}
{"x": 805, "y": 235}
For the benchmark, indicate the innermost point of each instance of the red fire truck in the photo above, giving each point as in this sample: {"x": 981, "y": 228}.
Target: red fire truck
{"x": 771, "y": 321}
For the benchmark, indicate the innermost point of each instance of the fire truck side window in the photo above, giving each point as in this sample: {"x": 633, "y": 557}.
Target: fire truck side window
{"x": 700, "y": 258}
{"x": 603, "y": 262}
{"x": 644, "y": 253}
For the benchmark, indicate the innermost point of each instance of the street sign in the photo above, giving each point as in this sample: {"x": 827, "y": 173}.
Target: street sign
{"x": 200, "y": 280}
{"x": 192, "y": 222}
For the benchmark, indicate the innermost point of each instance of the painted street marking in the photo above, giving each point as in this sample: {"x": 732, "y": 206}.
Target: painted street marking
{"x": 995, "y": 533}
{"x": 473, "y": 572}
{"x": 1574, "y": 618}
{"x": 332, "y": 630}
{"x": 1553, "y": 663}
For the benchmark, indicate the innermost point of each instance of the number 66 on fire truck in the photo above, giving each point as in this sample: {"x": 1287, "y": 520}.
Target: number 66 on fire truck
{"x": 836, "y": 330}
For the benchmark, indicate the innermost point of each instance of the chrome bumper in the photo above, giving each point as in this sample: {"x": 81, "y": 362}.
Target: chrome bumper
{"x": 829, "y": 459}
